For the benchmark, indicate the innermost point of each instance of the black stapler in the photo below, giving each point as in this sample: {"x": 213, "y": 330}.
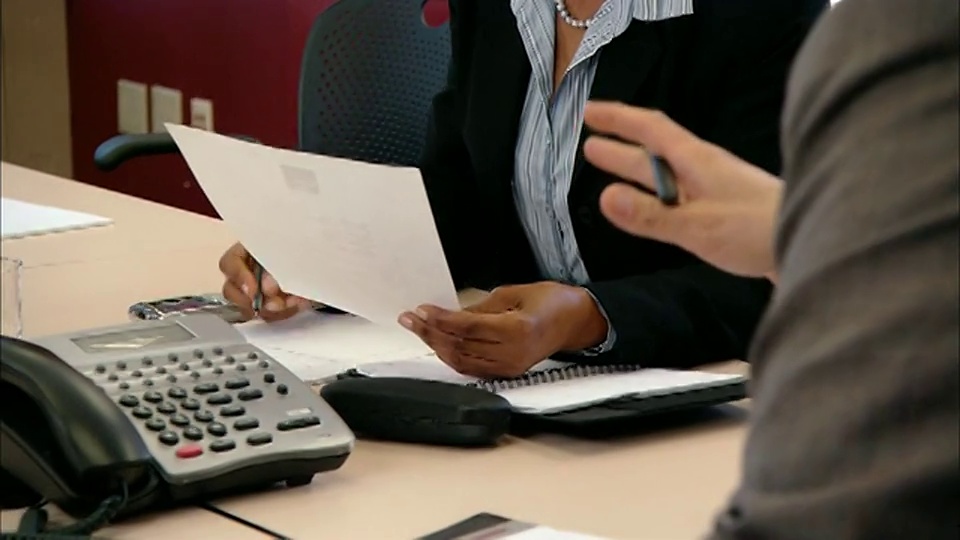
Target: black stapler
{"x": 419, "y": 411}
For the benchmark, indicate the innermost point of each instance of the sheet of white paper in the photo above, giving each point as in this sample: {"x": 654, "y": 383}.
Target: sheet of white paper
{"x": 561, "y": 395}
{"x": 432, "y": 369}
{"x": 316, "y": 347}
{"x": 20, "y": 219}
{"x": 356, "y": 236}
{"x": 546, "y": 533}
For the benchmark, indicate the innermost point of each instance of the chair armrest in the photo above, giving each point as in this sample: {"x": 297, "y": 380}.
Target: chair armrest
{"x": 116, "y": 150}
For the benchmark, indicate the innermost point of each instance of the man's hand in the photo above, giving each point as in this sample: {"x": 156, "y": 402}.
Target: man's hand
{"x": 512, "y": 329}
{"x": 240, "y": 287}
{"x": 727, "y": 209}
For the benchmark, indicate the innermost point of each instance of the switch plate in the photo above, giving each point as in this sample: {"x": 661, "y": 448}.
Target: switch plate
{"x": 201, "y": 113}
{"x": 132, "y": 106}
{"x": 166, "y": 106}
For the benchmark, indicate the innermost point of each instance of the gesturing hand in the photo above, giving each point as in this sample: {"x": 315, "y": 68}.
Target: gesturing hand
{"x": 727, "y": 209}
{"x": 512, "y": 329}
{"x": 240, "y": 287}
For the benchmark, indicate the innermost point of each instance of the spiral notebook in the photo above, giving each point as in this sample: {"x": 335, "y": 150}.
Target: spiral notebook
{"x": 554, "y": 387}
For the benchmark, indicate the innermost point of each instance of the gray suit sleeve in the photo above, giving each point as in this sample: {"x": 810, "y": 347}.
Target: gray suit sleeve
{"x": 855, "y": 418}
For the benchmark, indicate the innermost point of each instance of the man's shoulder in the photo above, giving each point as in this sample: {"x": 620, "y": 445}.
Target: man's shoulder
{"x": 862, "y": 36}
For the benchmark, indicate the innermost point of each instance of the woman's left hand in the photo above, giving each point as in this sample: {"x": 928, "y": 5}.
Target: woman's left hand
{"x": 512, "y": 329}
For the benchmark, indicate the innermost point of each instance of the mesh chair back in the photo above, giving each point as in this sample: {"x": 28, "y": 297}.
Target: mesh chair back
{"x": 370, "y": 71}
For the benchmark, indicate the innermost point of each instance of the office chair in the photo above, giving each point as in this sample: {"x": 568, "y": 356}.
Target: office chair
{"x": 369, "y": 72}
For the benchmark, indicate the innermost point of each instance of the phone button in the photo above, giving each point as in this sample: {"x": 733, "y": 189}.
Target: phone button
{"x": 193, "y": 433}
{"x": 236, "y": 384}
{"x": 189, "y": 451}
{"x": 258, "y": 439}
{"x": 222, "y": 445}
{"x": 169, "y": 438}
{"x": 153, "y": 396}
{"x": 203, "y": 416}
{"x": 206, "y": 388}
{"x": 217, "y": 429}
{"x": 142, "y": 412}
{"x": 156, "y": 424}
{"x": 129, "y": 401}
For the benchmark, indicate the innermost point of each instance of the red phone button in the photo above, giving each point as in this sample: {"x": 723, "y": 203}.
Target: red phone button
{"x": 189, "y": 451}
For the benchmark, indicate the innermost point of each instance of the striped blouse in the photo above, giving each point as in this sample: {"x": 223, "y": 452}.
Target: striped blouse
{"x": 551, "y": 122}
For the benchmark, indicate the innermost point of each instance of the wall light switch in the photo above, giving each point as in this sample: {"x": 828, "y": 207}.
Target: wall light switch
{"x": 201, "y": 113}
{"x": 132, "y": 105}
{"x": 166, "y": 106}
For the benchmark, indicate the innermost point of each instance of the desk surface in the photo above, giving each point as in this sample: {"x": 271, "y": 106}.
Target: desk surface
{"x": 666, "y": 484}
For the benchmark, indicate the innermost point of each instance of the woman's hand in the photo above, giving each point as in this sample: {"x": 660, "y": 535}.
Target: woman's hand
{"x": 728, "y": 207}
{"x": 240, "y": 287}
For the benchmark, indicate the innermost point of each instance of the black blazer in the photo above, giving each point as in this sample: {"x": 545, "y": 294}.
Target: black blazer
{"x": 720, "y": 72}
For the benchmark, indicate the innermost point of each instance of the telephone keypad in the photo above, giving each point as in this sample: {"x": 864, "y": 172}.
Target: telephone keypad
{"x": 251, "y": 411}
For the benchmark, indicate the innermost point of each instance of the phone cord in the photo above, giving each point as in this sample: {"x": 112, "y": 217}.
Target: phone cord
{"x": 34, "y": 521}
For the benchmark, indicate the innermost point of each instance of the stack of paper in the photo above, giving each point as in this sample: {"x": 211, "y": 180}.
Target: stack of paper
{"x": 20, "y": 219}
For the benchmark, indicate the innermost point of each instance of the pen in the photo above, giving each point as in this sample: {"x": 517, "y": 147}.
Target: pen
{"x": 665, "y": 181}
{"x": 258, "y": 298}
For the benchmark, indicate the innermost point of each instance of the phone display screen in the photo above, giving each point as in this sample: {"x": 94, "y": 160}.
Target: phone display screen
{"x": 134, "y": 340}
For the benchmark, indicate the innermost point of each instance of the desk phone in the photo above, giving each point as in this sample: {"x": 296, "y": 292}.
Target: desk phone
{"x": 159, "y": 411}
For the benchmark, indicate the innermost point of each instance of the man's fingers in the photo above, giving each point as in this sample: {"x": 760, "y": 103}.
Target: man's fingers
{"x": 651, "y": 129}
{"x": 627, "y": 161}
{"x": 639, "y": 213}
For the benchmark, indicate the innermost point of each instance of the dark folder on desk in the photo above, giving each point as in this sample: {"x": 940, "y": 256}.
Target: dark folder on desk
{"x": 563, "y": 396}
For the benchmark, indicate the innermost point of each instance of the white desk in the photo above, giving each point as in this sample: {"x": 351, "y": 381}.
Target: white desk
{"x": 663, "y": 486}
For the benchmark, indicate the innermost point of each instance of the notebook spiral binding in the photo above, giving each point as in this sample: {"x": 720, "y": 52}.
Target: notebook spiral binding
{"x": 552, "y": 375}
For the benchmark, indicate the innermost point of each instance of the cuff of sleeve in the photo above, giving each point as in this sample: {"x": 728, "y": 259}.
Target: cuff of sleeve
{"x": 611, "y": 340}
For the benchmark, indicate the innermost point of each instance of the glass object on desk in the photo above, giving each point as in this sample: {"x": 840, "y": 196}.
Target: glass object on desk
{"x": 12, "y": 324}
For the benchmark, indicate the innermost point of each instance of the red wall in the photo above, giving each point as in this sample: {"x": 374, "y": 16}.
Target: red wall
{"x": 244, "y": 55}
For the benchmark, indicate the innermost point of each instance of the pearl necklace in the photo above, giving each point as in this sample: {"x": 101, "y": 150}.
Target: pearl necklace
{"x": 577, "y": 23}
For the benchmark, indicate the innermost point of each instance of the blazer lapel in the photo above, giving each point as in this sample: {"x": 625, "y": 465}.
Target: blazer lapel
{"x": 500, "y": 77}
{"x": 625, "y": 64}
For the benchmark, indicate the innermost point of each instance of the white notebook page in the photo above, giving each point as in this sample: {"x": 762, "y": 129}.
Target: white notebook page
{"x": 562, "y": 395}
{"x": 318, "y": 346}
{"x": 19, "y": 219}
